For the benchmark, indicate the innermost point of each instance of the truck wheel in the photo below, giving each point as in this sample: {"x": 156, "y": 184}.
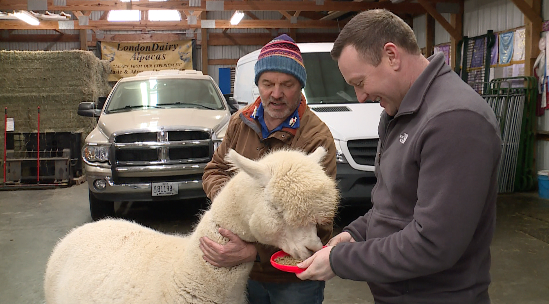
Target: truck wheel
{"x": 100, "y": 209}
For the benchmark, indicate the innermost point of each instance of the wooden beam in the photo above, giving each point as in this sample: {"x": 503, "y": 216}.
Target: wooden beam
{"x": 252, "y": 5}
{"x": 84, "y": 40}
{"x": 169, "y": 25}
{"x": 285, "y": 14}
{"x": 457, "y": 23}
{"x": 438, "y": 17}
{"x": 104, "y": 15}
{"x": 526, "y": 8}
{"x": 222, "y": 61}
{"x": 40, "y": 38}
{"x": 429, "y": 36}
{"x": 261, "y": 39}
{"x": 144, "y": 37}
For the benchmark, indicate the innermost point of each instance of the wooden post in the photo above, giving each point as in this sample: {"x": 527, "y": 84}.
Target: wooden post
{"x": 84, "y": 40}
{"x": 430, "y": 35}
{"x": 532, "y": 36}
{"x": 457, "y": 23}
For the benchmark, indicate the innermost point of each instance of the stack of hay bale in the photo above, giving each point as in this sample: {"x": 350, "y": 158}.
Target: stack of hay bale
{"x": 55, "y": 81}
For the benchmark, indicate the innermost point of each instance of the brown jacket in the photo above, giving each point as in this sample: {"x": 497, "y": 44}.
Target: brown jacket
{"x": 244, "y": 136}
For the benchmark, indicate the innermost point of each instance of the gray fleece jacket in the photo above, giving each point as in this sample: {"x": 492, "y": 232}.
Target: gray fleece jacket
{"x": 427, "y": 237}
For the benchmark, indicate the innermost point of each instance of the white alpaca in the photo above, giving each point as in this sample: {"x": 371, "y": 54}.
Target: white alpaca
{"x": 277, "y": 200}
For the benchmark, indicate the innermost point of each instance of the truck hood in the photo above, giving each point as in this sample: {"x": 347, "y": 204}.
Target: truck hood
{"x": 155, "y": 119}
{"x": 350, "y": 121}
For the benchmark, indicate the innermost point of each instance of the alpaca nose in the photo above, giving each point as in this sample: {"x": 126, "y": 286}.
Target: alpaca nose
{"x": 305, "y": 249}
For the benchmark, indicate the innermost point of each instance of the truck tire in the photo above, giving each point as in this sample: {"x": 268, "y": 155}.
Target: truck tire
{"x": 100, "y": 209}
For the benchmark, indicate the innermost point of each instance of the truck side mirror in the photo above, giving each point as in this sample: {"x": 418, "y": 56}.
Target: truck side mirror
{"x": 88, "y": 109}
{"x": 101, "y": 102}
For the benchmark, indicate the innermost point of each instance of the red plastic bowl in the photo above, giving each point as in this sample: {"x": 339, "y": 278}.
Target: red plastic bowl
{"x": 286, "y": 268}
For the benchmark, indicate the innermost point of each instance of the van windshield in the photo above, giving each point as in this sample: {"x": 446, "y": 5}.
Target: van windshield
{"x": 325, "y": 84}
{"x": 165, "y": 93}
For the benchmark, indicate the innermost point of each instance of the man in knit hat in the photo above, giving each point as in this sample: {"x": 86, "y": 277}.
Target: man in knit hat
{"x": 279, "y": 118}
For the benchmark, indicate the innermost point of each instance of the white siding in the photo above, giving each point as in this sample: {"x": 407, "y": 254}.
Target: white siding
{"x": 420, "y": 27}
{"x": 441, "y": 35}
{"x": 542, "y": 155}
{"x": 483, "y": 15}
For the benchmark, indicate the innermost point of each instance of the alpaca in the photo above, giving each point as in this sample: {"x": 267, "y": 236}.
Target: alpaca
{"x": 277, "y": 200}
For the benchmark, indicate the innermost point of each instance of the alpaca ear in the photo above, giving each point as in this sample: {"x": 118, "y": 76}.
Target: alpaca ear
{"x": 254, "y": 169}
{"x": 318, "y": 154}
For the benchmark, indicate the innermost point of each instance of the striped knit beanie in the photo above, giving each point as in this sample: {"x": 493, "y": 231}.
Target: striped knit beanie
{"x": 281, "y": 55}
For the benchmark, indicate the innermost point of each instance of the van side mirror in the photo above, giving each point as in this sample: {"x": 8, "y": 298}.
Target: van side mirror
{"x": 88, "y": 109}
{"x": 233, "y": 105}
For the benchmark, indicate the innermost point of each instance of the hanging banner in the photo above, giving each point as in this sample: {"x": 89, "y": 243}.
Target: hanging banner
{"x": 494, "y": 55}
{"x": 478, "y": 56}
{"x": 444, "y": 48}
{"x": 505, "y": 47}
{"x": 519, "y": 42}
{"x": 129, "y": 58}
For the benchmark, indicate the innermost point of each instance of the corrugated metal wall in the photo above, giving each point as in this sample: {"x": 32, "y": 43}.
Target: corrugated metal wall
{"x": 497, "y": 15}
{"x": 40, "y": 46}
{"x": 479, "y": 17}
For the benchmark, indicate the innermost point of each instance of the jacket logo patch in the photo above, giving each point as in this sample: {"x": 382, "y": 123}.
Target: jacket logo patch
{"x": 292, "y": 121}
{"x": 403, "y": 137}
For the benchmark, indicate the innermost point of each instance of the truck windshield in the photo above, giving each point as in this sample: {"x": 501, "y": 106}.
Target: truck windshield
{"x": 325, "y": 84}
{"x": 165, "y": 93}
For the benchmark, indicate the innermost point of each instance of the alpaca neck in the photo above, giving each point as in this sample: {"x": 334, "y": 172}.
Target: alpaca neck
{"x": 227, "y": 284}
{"x": 233, "y": 207}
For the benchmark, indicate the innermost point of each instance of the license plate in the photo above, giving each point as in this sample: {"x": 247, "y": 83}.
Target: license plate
{"x": 164, "y": 189}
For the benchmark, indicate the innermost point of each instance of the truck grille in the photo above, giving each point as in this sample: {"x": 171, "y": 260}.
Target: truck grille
{"x": 363, "y": 151}
{"x": 163, "y": 147}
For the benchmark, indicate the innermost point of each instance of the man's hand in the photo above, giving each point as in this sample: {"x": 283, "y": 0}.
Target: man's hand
{"x": 343, "y": 237}
{"x": 318, "y": 266}
{"x": 235, "y": 252}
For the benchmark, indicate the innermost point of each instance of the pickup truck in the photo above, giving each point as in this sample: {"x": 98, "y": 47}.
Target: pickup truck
{"x": 155, "y": 133}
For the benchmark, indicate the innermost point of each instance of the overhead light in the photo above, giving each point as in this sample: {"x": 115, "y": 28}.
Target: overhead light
{"x": 27, "y": 17}
{"x": 237, "y": 16}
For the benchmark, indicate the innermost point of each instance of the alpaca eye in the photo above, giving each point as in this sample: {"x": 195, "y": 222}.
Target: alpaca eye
{"x": 277, "y": 209}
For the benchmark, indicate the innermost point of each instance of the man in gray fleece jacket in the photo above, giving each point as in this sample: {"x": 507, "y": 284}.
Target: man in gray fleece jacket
{"x": 427, "y": 237}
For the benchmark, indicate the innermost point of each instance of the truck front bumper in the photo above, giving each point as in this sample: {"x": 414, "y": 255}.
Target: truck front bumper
{"x": 103, "y": 186}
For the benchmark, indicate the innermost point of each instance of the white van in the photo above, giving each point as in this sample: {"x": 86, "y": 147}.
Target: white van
{"x": 353, "y": 124}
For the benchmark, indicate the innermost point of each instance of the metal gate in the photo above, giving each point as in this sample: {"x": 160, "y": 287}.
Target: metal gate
{"x": 513, "y": 101}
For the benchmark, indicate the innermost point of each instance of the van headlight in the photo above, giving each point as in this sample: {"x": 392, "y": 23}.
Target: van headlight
{"x": 340, "y": 157}
{"x": 95, "y": 153}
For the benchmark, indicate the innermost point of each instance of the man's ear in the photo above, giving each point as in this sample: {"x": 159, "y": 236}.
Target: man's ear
{"x": 393, "y": 54}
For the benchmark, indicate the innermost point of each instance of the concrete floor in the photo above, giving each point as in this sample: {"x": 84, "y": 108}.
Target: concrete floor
{"x": 31, "y": 222}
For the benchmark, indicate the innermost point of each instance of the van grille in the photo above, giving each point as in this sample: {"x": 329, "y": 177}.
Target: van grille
{"x": 363, "y": 151}
{"x": 331, "y": 109}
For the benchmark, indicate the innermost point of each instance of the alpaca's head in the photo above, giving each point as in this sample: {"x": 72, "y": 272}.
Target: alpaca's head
{"x": 296, "y": 196}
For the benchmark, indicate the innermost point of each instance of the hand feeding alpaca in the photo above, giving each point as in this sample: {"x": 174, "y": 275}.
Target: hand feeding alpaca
{"x": 277, "y": 200}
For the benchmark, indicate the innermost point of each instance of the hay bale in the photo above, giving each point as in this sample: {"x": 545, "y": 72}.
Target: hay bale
{"x": 55, "y": 81}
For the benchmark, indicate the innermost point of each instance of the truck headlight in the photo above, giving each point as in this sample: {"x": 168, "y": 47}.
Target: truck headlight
{"x": 340, "y": 157}
{"x": 216, "y": 140}
{"x": 93, "y": 153}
